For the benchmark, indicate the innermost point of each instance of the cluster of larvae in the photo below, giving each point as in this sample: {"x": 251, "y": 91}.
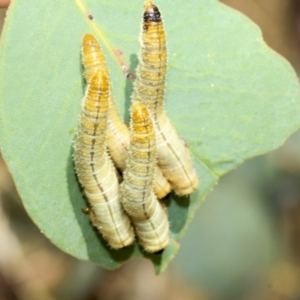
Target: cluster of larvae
{"x": 150, "y": 155}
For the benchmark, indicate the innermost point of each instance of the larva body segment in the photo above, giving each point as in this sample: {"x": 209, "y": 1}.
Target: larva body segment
{"x": 173, "y": 156}
{"x": 94, "y": 167}
{"x": 146, "y": 213}
{"x": 93, "y": 60}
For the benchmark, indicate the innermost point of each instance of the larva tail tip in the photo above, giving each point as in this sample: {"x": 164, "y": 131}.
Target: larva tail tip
{"x": 137, "y": 105}
{"x": 139, "y": 112}
{"x": 88, "y": 39}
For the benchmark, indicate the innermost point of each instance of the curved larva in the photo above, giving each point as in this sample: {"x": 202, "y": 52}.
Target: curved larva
{"x": 93, "y": 59}
{"x": 173, "y": 156}
{"x": 94, "y": 168}
{"x": 146, "y": 213}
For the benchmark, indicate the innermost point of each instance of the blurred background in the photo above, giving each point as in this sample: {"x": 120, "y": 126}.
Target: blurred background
{"x": 244, "y": 242}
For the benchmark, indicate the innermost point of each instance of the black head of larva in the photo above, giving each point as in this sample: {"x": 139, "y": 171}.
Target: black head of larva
{"x": 152, "y": 14}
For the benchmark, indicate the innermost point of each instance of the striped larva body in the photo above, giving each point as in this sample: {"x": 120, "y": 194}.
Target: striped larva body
{"x": 146, "y": 213}
{"x": 95, "y": 169}
{"x": 173, "y": 156}
{"x": 93, "y": 59}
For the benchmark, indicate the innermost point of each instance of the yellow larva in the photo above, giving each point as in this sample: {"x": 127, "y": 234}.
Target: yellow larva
{"x": 146, "y": 213}
{"x": 173, "y": 156}
{"x": 93, "y": 59}
{"x": 94, "y": 168}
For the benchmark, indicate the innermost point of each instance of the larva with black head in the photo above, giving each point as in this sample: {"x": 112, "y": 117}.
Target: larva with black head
{"x": 93, "y": 59}
{"x": 95, "y": 169}
{"x": 173, "y": 156}
{"x": 146, "y": 213}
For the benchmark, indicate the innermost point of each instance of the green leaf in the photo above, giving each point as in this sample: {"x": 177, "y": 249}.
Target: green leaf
{"x": 228, "y": 95}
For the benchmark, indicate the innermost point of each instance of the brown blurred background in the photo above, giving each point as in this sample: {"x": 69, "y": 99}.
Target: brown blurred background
{"x": 244, "y": 242}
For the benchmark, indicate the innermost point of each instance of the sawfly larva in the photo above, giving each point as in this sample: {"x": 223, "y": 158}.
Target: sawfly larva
{"x": 93, "y": 59}
{"x": 147, "y": 214}
{"x": 173, "y": 156}
{"x": 94, "y": 168}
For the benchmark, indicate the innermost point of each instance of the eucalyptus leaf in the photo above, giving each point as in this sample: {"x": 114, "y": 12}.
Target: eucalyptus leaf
{"x": 228, "y": 95}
